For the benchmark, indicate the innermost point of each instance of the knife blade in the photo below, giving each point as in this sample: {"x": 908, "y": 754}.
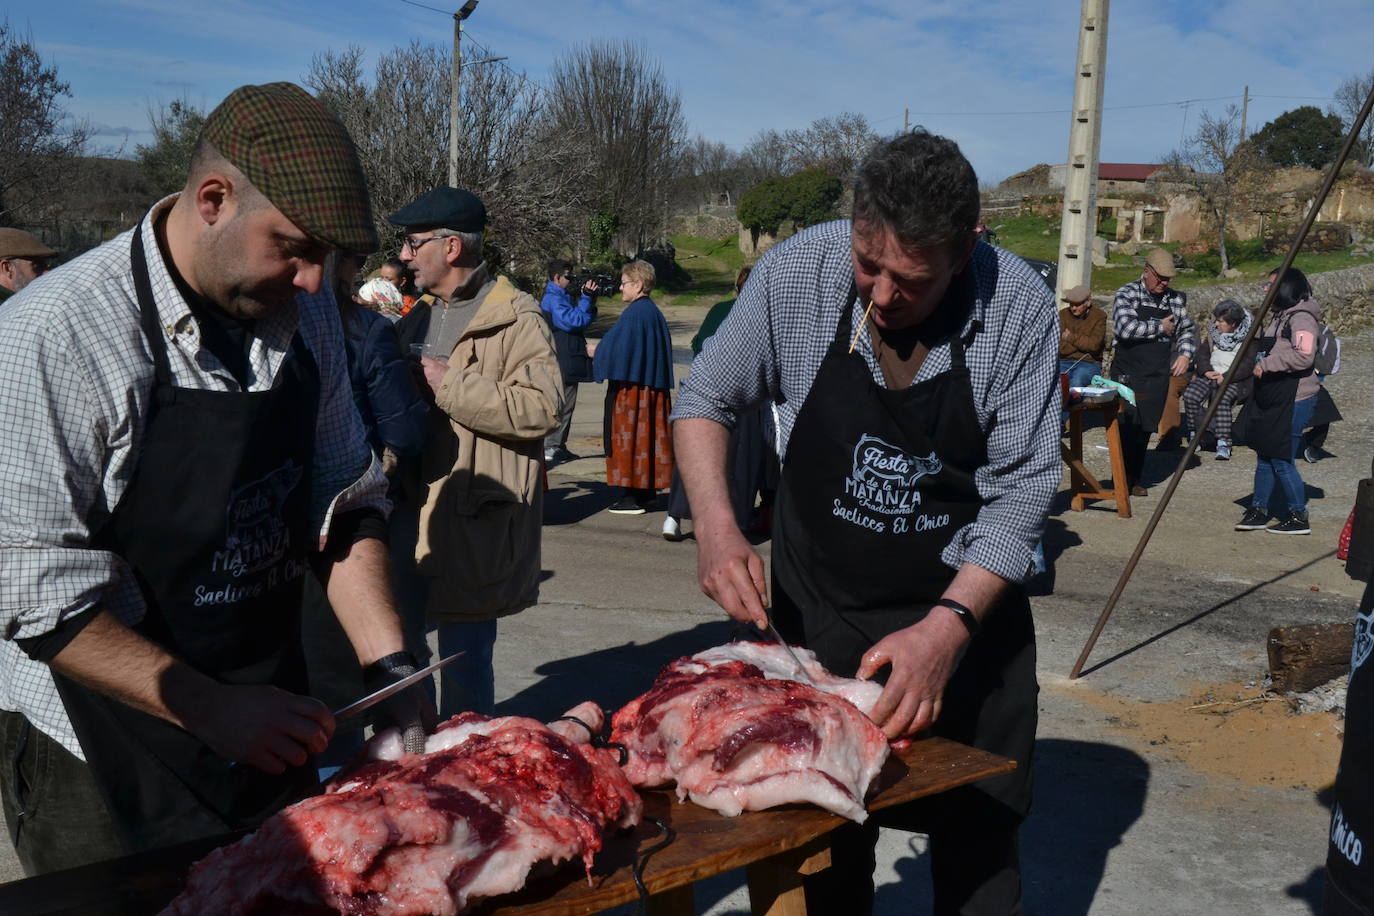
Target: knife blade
{"x": 372, "y": 699}
{"x": 768, "y": 618}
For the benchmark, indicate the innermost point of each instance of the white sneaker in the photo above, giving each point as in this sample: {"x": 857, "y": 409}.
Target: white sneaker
{"x": 672, "y": 529}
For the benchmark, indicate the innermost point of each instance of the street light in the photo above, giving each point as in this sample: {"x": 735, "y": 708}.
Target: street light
{"x": 455, "y": 75}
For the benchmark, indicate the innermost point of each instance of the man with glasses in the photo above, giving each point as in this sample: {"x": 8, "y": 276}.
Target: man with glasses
{"x": 23, "y": 259}
{"x": 466, "y": 530}
{"x": 1155, "y": 340}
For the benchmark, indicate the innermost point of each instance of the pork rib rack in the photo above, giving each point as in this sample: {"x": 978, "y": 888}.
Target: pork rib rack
{"x": 419, "y": 834}
{"x": 736, "y": 733}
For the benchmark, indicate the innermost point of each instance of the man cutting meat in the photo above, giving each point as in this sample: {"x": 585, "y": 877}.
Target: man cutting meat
{"x": 919, "y": 459}
{"x": 178, "y": 443}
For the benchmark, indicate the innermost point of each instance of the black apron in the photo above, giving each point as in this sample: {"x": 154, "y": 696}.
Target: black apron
{"x": 1350, "y": 850}
{"x": 215, "y": 524}
{"x": 875, "y": 484}
{"x": 1143, "y": 366}
{"x": 1265, "y": 423}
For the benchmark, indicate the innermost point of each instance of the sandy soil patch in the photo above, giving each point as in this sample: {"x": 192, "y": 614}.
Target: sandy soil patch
{"x": 1230, "y": 730}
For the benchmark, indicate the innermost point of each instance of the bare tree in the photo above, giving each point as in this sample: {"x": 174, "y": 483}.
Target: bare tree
{"x": 609, "y": 101}
{"x": 1215, "y": 164}
{"x": 1347, "y": 102}
{"x": 39, "y": 146}
{"x": 709, "y": 173}
{"x": 765, "y": 156}
{"x": 399, "y": 121}
{"x": 166, "y": 161}
{"x": 835, "y": 144}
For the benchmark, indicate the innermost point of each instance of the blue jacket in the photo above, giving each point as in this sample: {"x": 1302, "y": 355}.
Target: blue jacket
{"x": 568, "y": 322}
{"x": 637, "y": 349}
{"x": 394, "y": 414}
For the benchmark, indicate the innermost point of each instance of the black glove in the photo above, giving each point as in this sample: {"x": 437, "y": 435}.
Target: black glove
{"x": 411, "y": 710}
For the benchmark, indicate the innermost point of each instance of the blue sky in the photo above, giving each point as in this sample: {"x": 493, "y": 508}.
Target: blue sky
{"x": 994, "y": 75}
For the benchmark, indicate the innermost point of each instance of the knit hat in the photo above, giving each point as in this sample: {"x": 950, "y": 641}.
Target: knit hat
{"x": 300, "y": 157}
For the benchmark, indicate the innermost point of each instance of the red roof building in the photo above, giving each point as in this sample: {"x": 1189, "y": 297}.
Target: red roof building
{"x": 1125, "y": 171}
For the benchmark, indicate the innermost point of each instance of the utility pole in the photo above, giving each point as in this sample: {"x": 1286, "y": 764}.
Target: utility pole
{"x": 1079, "y": 223}
{"x": 455, "y": 85}
{"x": 1244, "y": 110}
{"x": 906, "y": 120}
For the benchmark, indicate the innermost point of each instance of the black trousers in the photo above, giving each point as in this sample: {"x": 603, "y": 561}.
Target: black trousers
{"x": 974, "y": 852}
{"x": 55, "y": 814}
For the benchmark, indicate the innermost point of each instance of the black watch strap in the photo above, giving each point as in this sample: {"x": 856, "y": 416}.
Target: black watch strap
{"x": 966, "y": 617}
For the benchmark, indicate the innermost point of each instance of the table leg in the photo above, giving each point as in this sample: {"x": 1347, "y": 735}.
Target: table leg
{"x": 677, "y": 901}
{"x": 775, "y": 883}
{"x": 1077, "y": 483}
{"x": 1120, "y": 486}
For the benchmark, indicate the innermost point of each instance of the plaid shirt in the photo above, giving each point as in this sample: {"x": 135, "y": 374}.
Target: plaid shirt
{"x": 1128, "y": 325}
{"x": 77, "y": 374}
{"x": 771, "y": 345}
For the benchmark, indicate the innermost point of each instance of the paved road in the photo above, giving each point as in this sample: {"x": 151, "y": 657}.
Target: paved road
{"x": 1118, "y": 828}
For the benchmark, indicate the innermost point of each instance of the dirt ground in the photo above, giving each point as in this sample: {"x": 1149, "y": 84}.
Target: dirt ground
{"x": 1166, "y": 781}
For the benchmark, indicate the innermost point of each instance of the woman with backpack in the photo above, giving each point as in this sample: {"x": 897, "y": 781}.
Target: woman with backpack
{"x": 1281, "y": 406}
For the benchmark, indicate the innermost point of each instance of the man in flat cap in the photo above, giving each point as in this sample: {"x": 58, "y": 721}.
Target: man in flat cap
{"x": 1082, "y": 336}
{"x": 23, "y": 259}
{"x": 466, "y": 534}
{"x": 1155, "y": 340}
{"x": 178, "y": 446}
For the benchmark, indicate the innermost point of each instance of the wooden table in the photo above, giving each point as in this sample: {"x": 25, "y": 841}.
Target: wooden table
{"x": 1082, "y": 484}
{"x": 778, "y": 847}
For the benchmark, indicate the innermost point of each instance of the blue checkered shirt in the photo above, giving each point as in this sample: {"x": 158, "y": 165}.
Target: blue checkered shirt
{"x": 1128, "y": 325}
{"x": 77, "y": 374}
{"x": 771, "y": 345}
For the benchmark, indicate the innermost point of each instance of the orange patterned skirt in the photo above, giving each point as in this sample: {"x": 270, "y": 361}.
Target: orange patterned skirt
{"x": 639, "y": 440}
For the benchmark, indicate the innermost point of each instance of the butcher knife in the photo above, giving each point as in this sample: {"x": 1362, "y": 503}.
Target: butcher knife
{"x": 768, "y": 618}
{"x": 372, "y": 699}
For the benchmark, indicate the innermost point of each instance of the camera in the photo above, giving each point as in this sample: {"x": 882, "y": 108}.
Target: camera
{"x": 601, "y": 284}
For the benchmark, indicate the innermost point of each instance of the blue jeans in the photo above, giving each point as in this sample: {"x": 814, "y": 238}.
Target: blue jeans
{"x": 1284, "y": 473}
{"x": 467, "y": 683}
{"x": 1080, "y": 373}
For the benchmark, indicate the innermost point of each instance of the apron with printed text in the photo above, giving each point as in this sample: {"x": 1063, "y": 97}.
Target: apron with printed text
{"x": 875, "y": 484}
{"x": 215, "y": 525}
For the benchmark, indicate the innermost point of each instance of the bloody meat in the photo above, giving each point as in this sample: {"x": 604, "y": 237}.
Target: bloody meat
{"x": 413, "y": 834}
{"x": 736, "y": 732}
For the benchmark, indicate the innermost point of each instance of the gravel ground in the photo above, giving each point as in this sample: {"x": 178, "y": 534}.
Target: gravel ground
{"x": 1121, "y": 825}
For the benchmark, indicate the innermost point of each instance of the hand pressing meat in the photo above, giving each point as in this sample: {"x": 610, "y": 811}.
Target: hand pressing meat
{"x": 736, "y": 733}
{"x": 415, "y": 834}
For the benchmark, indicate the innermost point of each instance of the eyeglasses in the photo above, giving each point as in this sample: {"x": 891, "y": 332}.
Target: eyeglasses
{"x": 40, "y": 265}
{"x": 414, "y": 243}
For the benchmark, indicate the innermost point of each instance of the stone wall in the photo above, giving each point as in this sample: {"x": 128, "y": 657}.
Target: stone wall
{"x": 1346, "y": 297}
{"x": 707, "y": 222}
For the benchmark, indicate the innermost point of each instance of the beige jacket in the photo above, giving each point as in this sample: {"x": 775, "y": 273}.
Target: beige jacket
{"x": 480, "y": 524}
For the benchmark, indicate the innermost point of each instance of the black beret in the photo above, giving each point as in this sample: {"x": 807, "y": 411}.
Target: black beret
{"x": 443, "y": 208}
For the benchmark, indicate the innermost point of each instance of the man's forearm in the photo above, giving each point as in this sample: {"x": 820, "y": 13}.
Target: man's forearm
{"x": 360, "y": 592}
{"x": 976, "y": 588}
{"x": 110, "y": 658}
{"x": 700, "y": 447}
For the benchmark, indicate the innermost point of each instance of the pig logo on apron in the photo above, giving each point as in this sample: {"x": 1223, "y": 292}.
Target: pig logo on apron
{"x": 883, "y": 478}
{"x": 256, "y": 536}
{"x": 1364, "y": 640}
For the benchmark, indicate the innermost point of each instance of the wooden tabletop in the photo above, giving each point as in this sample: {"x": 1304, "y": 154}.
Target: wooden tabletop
{"x": 706, "y": 844}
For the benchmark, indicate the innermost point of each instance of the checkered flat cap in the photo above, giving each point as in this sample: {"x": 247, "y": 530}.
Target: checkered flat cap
{"x": 300, "y": 157}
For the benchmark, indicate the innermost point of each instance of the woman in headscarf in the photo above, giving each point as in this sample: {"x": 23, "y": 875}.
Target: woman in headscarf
{"x": 1219, "y": 349}
{"x": 636, "y": 358}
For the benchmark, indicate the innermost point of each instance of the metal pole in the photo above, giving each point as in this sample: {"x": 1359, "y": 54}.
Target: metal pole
{"x": 455, "y": 77}
{"x": 1331, "y": 174}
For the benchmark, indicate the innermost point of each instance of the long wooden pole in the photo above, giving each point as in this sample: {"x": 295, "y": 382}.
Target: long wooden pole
{"x": 1312, "y": 212}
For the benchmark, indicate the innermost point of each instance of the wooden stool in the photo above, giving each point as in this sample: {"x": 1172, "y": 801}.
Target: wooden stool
{"x": 1082, "y": 484}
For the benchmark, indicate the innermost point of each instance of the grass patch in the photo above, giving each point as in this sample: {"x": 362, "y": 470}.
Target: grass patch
{"x": 712, "y": 265}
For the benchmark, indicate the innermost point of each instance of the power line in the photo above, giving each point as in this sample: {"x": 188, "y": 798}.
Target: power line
{"x": 430, "y": 8}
